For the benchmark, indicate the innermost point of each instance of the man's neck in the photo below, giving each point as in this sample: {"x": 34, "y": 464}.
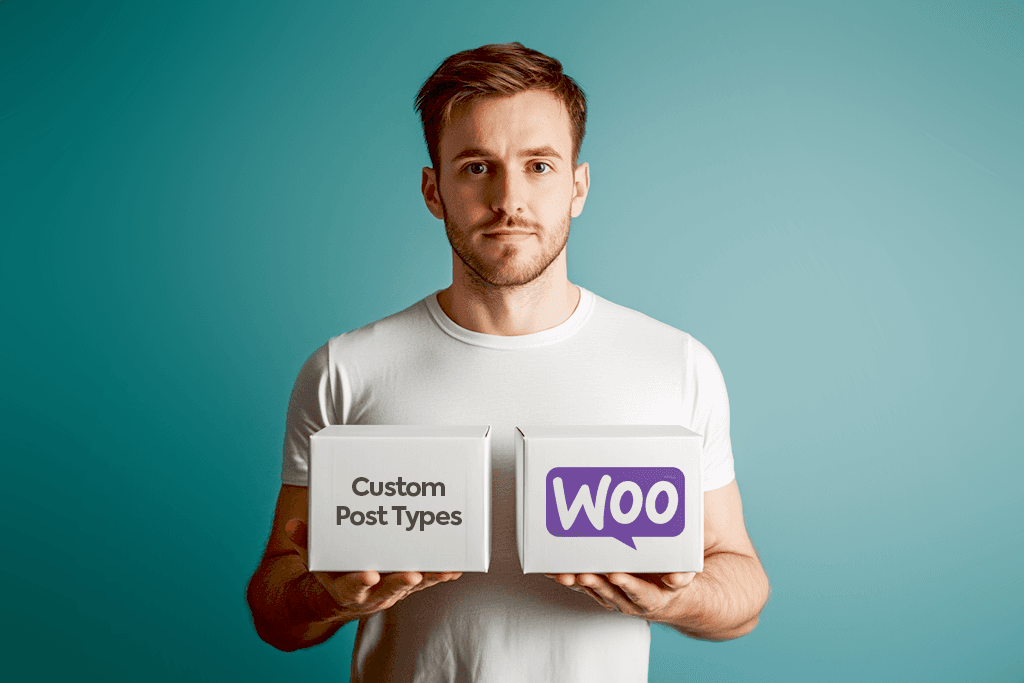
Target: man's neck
{"x": 540, "y": 305}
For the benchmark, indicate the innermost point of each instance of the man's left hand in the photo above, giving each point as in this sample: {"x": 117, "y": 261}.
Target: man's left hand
{"x": 651, "y": 596}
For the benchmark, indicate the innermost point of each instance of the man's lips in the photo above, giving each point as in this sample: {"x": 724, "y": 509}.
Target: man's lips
{"x": 507, "y": 233}
{"x": 508, "y": 226}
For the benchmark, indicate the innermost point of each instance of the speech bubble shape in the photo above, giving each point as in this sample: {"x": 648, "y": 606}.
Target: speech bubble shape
{"x": 616, "y": 502}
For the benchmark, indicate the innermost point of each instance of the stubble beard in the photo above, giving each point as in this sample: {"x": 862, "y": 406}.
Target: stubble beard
{"x": 505, "y": 271}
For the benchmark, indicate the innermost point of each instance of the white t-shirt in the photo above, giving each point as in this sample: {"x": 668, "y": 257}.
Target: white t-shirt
{"x": 606, "y": 364}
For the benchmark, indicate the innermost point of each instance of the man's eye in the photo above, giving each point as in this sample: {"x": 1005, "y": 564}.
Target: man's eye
{"x": 541, "y": 167}
{"x": 477, "y": 169}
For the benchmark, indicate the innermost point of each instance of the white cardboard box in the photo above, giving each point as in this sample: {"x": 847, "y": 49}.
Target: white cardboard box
{"x": 357, "y": 477}
{"x": 584, "y": 499}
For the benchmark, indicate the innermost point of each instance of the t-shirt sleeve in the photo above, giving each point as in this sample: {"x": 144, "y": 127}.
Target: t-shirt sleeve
{"x": 316, "y": 401}
{"x": 711, "y": 418}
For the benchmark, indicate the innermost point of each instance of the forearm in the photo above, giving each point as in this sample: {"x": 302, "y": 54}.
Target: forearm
{"x": 722, "y": 602}
{"x": 288, "y": 605}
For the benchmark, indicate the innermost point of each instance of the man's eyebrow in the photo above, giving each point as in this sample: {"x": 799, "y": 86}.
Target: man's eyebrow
{"x": 476, "y": 152}
{"x": 545, "y": 151}
{"x": 469, "y": 153}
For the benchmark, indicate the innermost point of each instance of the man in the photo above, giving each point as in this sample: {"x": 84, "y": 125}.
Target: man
{"x": 511, "y": 341}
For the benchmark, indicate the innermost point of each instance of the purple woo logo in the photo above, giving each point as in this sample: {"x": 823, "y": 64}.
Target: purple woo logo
{"x": 621, "y": 502}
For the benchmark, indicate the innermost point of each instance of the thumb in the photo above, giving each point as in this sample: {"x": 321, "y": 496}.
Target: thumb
{"x": 297, "y": 534}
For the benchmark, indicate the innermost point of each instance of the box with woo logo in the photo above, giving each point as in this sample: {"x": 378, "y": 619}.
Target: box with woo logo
{"x": 623, "y": 498}
{"x": 400, "y": 498}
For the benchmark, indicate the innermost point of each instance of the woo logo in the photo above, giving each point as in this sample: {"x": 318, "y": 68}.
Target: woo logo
{"x": 621, "y": 502}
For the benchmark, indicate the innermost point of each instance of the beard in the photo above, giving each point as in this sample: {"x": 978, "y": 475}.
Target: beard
{"x": 512, "y": 267}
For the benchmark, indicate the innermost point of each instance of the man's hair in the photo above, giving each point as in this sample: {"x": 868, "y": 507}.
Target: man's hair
{"x": 496, "y": 70}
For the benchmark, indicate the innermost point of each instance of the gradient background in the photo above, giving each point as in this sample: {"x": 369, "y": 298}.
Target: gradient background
{"x": 196, "y": 195}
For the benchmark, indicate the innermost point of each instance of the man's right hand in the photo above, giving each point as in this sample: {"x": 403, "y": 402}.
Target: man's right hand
{"x": 293, "y": 608}
{"x": 360, "y": 594}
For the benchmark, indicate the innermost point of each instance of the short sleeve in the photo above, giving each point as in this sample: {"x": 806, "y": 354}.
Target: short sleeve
{"x": 711, "y": 417}
{"x": 316, "y": 398}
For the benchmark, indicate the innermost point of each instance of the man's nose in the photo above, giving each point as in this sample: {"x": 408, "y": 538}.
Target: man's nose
{"x": 508, "y": 193}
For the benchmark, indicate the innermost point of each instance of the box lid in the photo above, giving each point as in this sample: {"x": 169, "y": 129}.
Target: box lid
{"x": 604, "y": 431}
{"x": 404, "y": 431}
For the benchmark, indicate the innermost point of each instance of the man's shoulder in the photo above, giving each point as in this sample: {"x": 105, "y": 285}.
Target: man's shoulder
{"x": 649, "y": 334}
{"x": 622, "y": 317}
{"x": 401, "y": 327}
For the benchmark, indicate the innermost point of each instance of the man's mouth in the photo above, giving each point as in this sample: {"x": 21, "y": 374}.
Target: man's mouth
{"x": 509, "y": 226}
{"x": 507, "y": 232}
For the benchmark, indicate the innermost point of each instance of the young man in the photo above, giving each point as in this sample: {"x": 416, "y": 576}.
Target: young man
{"x": 511, "y": 341}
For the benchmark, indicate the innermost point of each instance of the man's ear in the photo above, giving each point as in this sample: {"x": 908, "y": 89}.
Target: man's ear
{"x": 431, "y": 194}
{"x": 580, "y": 188}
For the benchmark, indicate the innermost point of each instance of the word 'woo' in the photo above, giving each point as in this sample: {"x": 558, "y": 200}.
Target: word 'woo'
{"x": 644, "y": 502}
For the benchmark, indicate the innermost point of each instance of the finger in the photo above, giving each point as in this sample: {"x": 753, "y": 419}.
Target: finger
{"x": 297, "y": 533}
{"x": 583, "y": 589}
{"x": 349, "y": 589}
{"x": 432, "y": 579}
{"x": 395, "y": 587}
{"x": 564, "y": 579}
{"x": 611, "y": 593}
{"x": 411, "y": 578}
{"x": 678, "y": 580}
{"x": 593, "y": 594}
{"x": 397, "y": 584}
{"x": 642, "y": 593}
{"x": 569, "y": 581}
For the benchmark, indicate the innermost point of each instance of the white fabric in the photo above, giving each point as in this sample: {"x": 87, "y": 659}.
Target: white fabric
{"x": 604, "y": 365}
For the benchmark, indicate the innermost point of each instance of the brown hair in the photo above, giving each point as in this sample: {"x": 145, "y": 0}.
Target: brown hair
{"x": 496, "y": 70}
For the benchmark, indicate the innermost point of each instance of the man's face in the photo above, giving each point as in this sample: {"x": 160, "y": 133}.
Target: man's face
{"x": 506, "y": 188}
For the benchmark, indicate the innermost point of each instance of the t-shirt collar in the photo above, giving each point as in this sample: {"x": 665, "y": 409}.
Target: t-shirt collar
{"x": 523, "y": 341}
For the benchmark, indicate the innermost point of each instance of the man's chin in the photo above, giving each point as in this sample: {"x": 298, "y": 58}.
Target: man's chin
{"x": 504, "y": 263}
{"x": 508, "y": 274}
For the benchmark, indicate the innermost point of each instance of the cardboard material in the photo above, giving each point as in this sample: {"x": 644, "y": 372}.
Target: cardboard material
{"x": 600, "y": 499}
{"x": 400, "y": 498}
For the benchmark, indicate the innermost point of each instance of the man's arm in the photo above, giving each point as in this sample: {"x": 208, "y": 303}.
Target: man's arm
{"x": 722, "y": 602}
{"x": 293, "y": 608}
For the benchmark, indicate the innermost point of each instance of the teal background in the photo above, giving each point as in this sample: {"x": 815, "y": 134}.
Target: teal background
{"x": 196, "y": 195}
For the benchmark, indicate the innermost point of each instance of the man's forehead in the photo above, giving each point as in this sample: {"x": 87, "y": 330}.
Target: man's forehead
{"x": 528, "y": 121}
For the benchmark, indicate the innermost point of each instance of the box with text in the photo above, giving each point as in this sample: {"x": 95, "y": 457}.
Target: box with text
{"x": 400, "y": 498}
{"x": 601, "y": 499}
